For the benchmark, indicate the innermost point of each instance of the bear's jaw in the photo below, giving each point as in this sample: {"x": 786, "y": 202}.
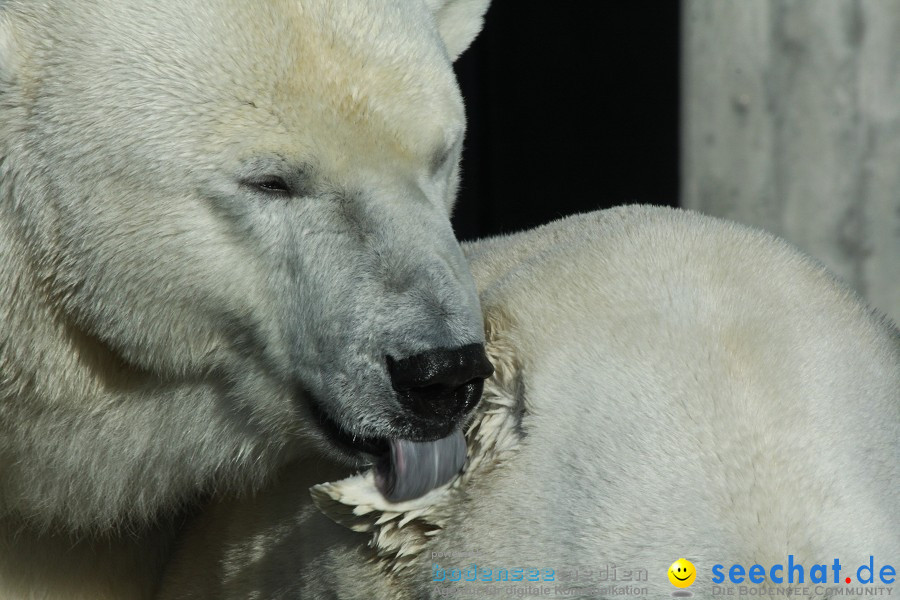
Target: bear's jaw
{"x": 404, "y": 469}
{"x": 402, "y": 530}
{"x": 352, "y": 446}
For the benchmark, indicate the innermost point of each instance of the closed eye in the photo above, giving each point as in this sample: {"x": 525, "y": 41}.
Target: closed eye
{"x": 274, "y": 176}
{"x": 271, "y": 185}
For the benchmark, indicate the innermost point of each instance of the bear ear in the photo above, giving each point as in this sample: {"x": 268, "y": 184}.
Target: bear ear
{"x": 459, "y": 21}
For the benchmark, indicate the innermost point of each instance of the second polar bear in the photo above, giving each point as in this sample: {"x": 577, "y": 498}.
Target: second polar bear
{"x": 668, "y": 385}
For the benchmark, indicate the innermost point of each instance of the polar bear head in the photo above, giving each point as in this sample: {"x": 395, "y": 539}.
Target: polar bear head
{"x": 225, "y": 239}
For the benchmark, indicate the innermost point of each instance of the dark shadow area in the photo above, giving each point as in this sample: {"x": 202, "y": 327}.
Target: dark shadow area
{"x": 572, "y": 106}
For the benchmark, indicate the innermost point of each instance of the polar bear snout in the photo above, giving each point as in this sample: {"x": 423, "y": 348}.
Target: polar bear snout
{"x": 441, "y": 384}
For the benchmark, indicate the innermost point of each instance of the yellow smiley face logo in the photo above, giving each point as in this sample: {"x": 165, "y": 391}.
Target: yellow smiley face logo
{"x": 682, "y": 573}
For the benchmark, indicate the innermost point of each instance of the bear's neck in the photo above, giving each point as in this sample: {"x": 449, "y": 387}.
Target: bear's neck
{"x": 65, "y": 567}
{"x": 64, "y": 467}
{"x": 89, "y": 443}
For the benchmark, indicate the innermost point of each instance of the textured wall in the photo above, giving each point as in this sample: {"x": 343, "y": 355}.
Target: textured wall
{"x": 791, "y": 122}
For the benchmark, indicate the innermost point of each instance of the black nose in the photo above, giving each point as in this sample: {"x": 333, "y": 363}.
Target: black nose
{"x": 440, "y": 385}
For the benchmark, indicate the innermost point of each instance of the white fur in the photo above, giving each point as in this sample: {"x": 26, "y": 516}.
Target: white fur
{"x": 165, "y": 324}
{"x": 667, "y": 385}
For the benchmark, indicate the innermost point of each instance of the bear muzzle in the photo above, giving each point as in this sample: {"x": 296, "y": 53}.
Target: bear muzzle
{"x": 441, "y": 385}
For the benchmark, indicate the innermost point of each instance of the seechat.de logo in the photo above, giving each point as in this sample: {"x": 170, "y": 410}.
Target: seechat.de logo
{"x": 794, "y": 572}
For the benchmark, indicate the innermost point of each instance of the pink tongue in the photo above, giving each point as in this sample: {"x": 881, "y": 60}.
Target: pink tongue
{"x": 413, "y": 469}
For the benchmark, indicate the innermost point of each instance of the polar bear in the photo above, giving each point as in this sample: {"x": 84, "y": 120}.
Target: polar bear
{"x": 224, "y": 244}
{"x": 667, "y": 385}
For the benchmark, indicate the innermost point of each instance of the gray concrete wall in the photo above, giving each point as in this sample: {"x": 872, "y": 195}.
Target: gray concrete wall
{"x": 791, "y": 122}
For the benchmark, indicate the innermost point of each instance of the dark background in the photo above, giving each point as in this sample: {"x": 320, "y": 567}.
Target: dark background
{"x": 572, "y": 106}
